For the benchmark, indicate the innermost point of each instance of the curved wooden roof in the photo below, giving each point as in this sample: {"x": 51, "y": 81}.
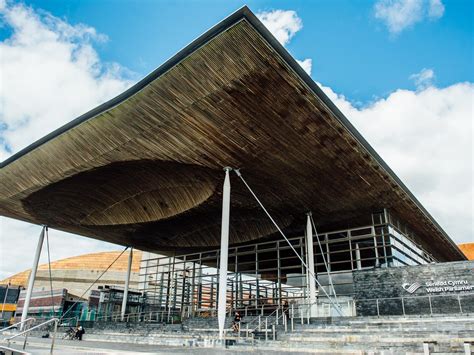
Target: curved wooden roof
{"x": 145, "y": 169}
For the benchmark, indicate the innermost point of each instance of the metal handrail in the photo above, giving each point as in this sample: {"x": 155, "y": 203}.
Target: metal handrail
{"x": 266, "y": 322}
{"x": 66, "y": 319}
{"x": 26, "y": 332}
{"x": 13, "y": 351}
{"x": 117, "y": 315}
{"x": 16, "y": 324}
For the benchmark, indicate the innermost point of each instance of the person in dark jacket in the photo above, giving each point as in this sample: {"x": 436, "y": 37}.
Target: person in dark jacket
{"x": 236, "y": 324}
{"x": 80, "y": 332}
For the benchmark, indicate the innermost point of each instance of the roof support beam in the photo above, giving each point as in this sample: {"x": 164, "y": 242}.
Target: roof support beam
{"x": 222, "y": 302}
{"x": 31, "y": 281}
{"x": 127, "y": 284}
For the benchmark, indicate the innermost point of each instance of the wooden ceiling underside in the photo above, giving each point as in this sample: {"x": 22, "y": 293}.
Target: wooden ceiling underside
{"x": 148, "y": 172}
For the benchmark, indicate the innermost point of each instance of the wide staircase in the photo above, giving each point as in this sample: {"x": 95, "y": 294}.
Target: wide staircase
{"x": 387, "y": 335}
{"x": 448, "y": 334}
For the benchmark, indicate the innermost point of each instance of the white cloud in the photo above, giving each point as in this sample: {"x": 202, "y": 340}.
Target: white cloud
{"x": 436, "y": 9}
{"x": 18, "y": 242}
{"x": 423, "y": 79}
{"x": 425, "y": 136}
{"x": 50, "y": 73}
{"x": 282, "y": 24}
{"x": 306, "y": 64}
{"x": 401, "y": 14}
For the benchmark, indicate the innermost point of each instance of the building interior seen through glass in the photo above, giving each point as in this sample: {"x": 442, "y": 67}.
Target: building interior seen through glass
{"x": 269, "y": 273}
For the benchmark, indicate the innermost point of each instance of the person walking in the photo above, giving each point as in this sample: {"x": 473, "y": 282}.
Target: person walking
{"x": 237, "y": 320}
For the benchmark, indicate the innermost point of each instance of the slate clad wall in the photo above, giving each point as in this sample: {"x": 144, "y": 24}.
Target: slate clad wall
{"x": 446, "y": 281}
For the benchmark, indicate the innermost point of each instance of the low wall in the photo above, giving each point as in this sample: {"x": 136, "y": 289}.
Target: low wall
{"x": 424, "y": 289}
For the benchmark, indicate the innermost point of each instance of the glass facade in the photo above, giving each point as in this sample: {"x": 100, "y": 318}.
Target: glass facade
{"x": 268, "y": 274}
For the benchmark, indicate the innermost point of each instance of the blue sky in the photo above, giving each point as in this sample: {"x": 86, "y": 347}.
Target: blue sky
{"x": 400, "y": 70}
{"x": 352, "y": 51}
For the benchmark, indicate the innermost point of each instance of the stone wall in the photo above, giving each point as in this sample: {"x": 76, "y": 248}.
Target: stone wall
{"x": 424, "y": 289}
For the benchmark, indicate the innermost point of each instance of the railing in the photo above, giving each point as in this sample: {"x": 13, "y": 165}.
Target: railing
{"x": 17, "y": 324}
{"x": 27, "y": 332}
{"x": 66, "y": 321}
{"x": 166, "y": 316}
{"x": 301, "y": 313}
{"x": 7, "y": 350}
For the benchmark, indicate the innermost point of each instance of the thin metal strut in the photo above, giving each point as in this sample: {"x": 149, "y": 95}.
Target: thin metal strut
{"x": 324, "y": 259}
{"x": 237, "y": 171}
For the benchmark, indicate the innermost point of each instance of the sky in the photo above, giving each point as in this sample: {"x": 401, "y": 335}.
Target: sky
{"x": 402, "y": 71}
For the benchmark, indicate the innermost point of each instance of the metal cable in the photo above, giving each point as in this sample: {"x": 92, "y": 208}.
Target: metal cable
{"x": 92, "y": 284}
{"x": 237, "y": 171}
{"x": 49, "y": 268}
{"x": 324, "y": 259}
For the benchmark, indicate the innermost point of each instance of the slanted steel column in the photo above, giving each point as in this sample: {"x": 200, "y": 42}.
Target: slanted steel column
{"x": 221, "y": 305}
{"x": 31, "y": 282}
{"x": 127, "y": 283}
{"x": 310, "y": 262}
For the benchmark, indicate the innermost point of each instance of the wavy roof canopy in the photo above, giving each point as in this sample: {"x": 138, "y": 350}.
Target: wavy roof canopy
{"x": 145, "y": 169}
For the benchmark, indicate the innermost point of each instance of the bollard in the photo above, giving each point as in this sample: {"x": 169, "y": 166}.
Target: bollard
{"x": 292, "y": 316}
{"x": 467, "y": 348}
{"x": 426, "y": 349}
{"x": 266, "y": 329}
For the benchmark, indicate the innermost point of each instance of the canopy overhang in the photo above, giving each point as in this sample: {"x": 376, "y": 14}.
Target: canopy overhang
{"x": 145, "y": 169}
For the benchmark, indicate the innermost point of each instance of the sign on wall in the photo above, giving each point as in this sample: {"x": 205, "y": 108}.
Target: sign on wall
{"x": 442, "y": 286}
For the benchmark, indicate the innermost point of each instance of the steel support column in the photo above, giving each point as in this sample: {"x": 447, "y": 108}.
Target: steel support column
{"x": 310, "y": 261}
{"x": 221, "y": 306}
{"x": 31, "y": 282}
{"x": 127, "y": 284}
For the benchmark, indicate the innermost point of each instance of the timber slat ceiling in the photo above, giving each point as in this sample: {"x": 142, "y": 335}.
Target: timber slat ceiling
{"x": 147, "y": 171}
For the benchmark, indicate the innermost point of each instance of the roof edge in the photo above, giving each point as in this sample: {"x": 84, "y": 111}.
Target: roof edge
{"x": 242, "y": 13}
{"x": 232, "y": 19}
{"x": 344, "y": 120}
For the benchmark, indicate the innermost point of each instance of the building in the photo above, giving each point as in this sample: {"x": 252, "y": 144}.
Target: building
{"x": 76, "y": 274}
{"x": 311, "y": 203}
{"x": 468, "y": 250}
{"x": 9, "y": 296}
{"x": 107, "y": 301}
{"x": 73, "y": 280}
{"x": 50, "y": 303}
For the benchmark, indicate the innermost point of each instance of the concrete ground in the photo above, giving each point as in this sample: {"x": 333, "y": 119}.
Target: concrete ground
{"x": 69, "y": 347}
